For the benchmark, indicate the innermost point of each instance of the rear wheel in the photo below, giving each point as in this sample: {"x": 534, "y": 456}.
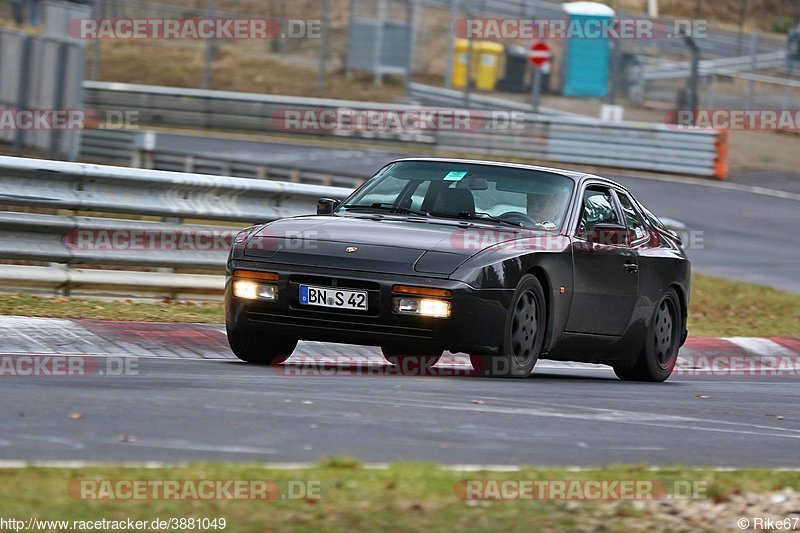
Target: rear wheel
{"x": 410, "y": 359}
{"x": 260, "y": 348}
{"x": 662, "y": 343}
{"x": 523, "y": 336}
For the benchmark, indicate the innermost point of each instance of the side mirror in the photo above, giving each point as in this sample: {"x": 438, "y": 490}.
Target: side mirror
{"x": 608, "y": 234}
{"x": 326, "y": 206}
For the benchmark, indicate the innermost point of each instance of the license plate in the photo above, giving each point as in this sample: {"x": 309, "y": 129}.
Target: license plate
{"x": 333, "y": 297}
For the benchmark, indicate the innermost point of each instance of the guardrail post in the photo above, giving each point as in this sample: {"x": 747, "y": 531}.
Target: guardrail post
{"x": 753, "y": 69}
{"x": 188, "y": 163}
{"x": 175, "y": 220}
{"x": 64, "y": 289}
{"x": 262, "y": 173}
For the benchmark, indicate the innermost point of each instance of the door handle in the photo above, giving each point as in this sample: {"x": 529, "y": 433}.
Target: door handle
{"x": 633, "y": 268}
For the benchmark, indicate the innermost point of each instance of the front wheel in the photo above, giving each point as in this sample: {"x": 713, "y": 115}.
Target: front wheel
{"x": 260, "y": 348}
{"x": 662, "y": 343}
{"x": 523, "y": 335}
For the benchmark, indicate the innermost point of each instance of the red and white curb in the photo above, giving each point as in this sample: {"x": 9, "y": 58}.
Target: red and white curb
{"x": 80, "y": 337}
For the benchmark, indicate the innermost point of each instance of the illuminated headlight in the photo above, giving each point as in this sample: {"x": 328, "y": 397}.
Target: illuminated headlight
{"x": 250, "y": 290}
{"x": 422, "y": 307}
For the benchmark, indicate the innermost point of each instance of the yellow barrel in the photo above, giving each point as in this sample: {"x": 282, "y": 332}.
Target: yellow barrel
{"x": 460, "y": 63}
{"x": 488, "y": 54}
{"x": 485, "y": 63}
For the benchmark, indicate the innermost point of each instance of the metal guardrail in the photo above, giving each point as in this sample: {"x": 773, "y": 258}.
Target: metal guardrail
{"x": 109, "y": 145}
{"x": 441, "y": 96}
{"x": 557, "y": 138}
{"x": 107, "y": 189}
{"x": 57, "y": 278}
{"x": 234, "y": 111}
{"x": 75, "y": 241}
{"x": 671, "y": 71}
{"x": 127, "y": 148}
{"x": 623, "y": 145}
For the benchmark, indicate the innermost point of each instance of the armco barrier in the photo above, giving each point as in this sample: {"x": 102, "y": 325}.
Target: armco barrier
{"x": 630, "y": 145}
{"x": 127, "y": 149}
{"x": 70, "y": 242}
{"x": 556, "y": 138}
{"x": 107, "y": 189}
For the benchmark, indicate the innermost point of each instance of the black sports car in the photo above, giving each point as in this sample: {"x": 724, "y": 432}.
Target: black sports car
{"x": 507, "y": 263}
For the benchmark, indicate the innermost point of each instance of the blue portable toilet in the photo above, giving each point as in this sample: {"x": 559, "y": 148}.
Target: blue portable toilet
{"x": 587, "y": 60}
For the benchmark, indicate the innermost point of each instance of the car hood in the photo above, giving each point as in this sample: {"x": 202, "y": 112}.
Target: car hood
{"x": 389, "y": 244}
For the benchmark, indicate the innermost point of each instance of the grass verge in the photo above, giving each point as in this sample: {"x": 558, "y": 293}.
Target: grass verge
{"x": 724, "y": 308}
{"x": 407, "y": 497}
{"x": 719, "y": 308}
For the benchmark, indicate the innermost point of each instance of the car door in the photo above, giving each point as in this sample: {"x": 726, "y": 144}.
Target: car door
{"x": 606, "y": 274}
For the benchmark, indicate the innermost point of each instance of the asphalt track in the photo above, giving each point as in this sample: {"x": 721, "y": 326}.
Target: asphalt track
{"x": 185, "y": 398}
{"x": 733, "y": 231}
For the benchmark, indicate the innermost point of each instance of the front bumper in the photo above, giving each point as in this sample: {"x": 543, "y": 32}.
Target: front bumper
{"x": 475, "y": 325}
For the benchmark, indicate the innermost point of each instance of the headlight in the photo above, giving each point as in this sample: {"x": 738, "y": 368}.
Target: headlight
{"x": 422, "y": 307}
{"x": 250, "y": 290}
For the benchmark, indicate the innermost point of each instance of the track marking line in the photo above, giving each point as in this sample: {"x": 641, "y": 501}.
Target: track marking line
{"x": 464, "y": 467}
{"x": 591, "y": 414}
{"x": 188, "y": 446}
{"x": 738, "y": 187}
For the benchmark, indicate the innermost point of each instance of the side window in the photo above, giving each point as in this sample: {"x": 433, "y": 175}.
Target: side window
{"x": 632, "y": 219}
{"x": 598, "y": 208}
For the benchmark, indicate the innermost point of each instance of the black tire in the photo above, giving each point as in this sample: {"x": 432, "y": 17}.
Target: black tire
{"x": 523, "y": 336}
{"x": 663, "y": 341}
{"x": 260, "y": 348}
{"x": 411, "y": 360}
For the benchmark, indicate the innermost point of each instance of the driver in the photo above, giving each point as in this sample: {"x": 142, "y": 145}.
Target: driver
{"x": 545, "y": 208}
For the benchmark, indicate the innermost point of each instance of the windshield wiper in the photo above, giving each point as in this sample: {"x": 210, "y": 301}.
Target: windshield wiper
{"x": 389, "y": 207}
{"x": 486, "y": 216}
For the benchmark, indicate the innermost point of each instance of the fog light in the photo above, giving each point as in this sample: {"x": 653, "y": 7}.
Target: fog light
{"x": 422, "y": 307}
{"x": 249, "y": 290}
{"x": 267, "y": 292}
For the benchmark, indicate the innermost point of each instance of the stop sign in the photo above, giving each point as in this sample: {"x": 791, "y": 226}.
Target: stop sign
{"x": 539, "y": 54}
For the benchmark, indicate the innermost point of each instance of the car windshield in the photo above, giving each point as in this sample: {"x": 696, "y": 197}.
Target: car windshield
{"x": 495, "y": 194}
